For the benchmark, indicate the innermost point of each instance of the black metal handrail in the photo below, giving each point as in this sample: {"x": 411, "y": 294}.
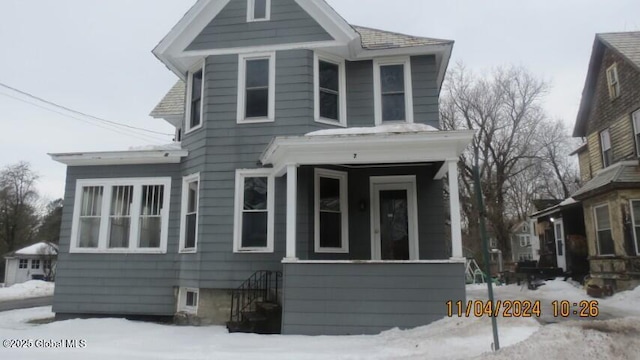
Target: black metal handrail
{"x": 262, "y": 286}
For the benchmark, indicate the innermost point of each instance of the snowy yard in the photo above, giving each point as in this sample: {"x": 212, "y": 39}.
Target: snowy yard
{"x": 29, "y": 289}
{"x": 450, "y": 338}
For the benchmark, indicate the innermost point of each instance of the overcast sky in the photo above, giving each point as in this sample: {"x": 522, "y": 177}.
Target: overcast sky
{"x": 95, "y": 57}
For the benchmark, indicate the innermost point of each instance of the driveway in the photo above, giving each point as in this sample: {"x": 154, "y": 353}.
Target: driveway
{"x": 25, "y": 303}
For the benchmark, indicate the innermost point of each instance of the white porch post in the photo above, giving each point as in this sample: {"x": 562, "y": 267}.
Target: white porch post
{"x": 292, "y": 209}
{"x": 454, "y": 202}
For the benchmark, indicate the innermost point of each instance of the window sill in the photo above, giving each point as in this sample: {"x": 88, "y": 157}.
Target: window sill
{"x": 188, "y": 251}
{"x": 331, "y": 122}
{"x": 331, "y": 251}
{"x": 255, "y": 121}
{"x": 194, "y": 129}
{"x": 254, "y": 251}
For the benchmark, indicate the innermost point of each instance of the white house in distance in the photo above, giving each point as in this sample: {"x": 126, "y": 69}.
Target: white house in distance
{"x": 32, "y": 262}
{"x": 525, "y": 244}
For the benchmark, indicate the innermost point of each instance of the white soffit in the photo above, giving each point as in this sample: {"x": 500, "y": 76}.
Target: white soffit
{"x": 366, "y": 149}
{"x": 138, "y": 157}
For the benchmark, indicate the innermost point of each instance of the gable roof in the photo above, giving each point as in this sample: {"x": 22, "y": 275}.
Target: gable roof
{"x": 374, "y": 39}
{"x": 42, "y": 248}
{"x": 172, "y": 104}
{"x": 626, "y": 45}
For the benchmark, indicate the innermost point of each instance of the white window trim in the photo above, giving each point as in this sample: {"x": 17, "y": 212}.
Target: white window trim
{"x": 343, "y": 178}
{"x": 635, "y": 119}
{"x": 602, "y": 145}
{"x": 33, "y": 263}
{"x": 187, "y": 119}
{"x": 183, "y": 212}
{"x": 242, "y": 74}
{"x": 107, "y": 185}
{"x": 251, "y": 12}
{"x": 408, "y": 87}
{"x": 241, "y": 174}
{"x": 613, "y": 84}
{"x": 182, "y": 300}
{"x": 595, "y": 226}
{"x": 634, "y": 221}
{"x": 23, "y": 261}
{"x": 342, "y": 89}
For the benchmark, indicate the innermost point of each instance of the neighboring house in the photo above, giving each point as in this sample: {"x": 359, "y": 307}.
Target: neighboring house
{"x": 609, "y": 120}
{"x": 353, "y": 215}
{"x": 525, "y": 245}
{"x": 37, "y": 261}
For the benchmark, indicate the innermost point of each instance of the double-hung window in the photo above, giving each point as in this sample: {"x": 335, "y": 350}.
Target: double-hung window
{"x": 23, "y": 264}
{"x": 635, "y": 215}
{"x": 636, "y": 130}
{"x": 331, "y": 212}
{"x": 35, "y": 264}
{"x": 195, "y": 94}
{"x": 254, "y": 206}
{"x": 605, "y": 143}
{"x": 256, "y": 88}
{"x": 121, "y": 215}
{"x": 393, "y": 90}
{"x": 258, "y": 10}
{"x": 604, "y": 237}
{"x": 613, "y": 81}
{"x": 330, "y": 90}
{"x": 189, "y": 220}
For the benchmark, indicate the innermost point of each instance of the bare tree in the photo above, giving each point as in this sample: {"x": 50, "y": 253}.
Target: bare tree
{"x": 47, "y": 256}
{"x": 18, "y": 205}
{"x": 505, "y": 109}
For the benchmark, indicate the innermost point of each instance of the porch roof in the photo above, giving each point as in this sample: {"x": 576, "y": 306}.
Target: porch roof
{"x": 366, "y": 147}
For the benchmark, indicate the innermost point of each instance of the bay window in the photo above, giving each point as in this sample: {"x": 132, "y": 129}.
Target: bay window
{"x": 256, "y": 88}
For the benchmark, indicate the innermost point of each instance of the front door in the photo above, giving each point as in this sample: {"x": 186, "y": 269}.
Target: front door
{"x": 394, "y": 219}
{"x": 560, "y": 244}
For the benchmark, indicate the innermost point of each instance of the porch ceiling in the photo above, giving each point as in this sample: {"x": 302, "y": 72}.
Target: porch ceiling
{"x": 389, "y": 148}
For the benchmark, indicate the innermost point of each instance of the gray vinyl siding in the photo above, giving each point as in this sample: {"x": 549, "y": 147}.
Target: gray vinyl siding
{"x": 360, "y": 109}
{"x": 431, "y": 218}
{"x": 424, "y": 74}
{"x": 289, "y": 23}
{"x": 342, "y": 299}
{"x": 122, "y": 284}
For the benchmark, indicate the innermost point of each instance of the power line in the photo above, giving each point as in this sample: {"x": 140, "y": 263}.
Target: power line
{"x": 79, "y": 112}
{"x": 138, "y": 136}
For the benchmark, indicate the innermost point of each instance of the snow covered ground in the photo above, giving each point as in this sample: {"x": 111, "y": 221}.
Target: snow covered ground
{"x": 29, "y": 289}
{"x": 450, "y": 338}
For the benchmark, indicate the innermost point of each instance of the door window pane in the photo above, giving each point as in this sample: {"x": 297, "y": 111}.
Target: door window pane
{"x": 394, "y": 225}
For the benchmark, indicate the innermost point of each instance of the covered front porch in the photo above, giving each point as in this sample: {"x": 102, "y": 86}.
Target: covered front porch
{"x": 366, "y": 242}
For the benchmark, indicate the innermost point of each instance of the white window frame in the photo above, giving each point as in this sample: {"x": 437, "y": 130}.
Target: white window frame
{"x": 187, "y": 119}
{"x": 635, "y": 119}
{"x": 342, "y": 89}
{"x": 23, "y": 261}
{"x": 343, "y": 179}
{"x": 634, "y": 223}
{"x": 241, "y": 174}
{"x": 408, "y": 88}
{"x": 103, "y": 239}
{"x": 605, "y": 140}
{"x": 242, "y": 75}
{"x": 35, "y": 264}
{"x": 595, "y": 225}
{"x": 251, "y": 11}
{"x": 182, "y": 300}
{"x": 186, "y": 180}
{"x": 613, "y": 81}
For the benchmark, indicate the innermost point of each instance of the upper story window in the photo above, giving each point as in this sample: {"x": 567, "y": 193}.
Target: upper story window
{"x": 256, "y": 88}
{"x": 195, "y": 95}
{"x": 121, "y": 215}
{"x": 189, "y": 217}
{"x": 605, "y": 144}
{"x": 393, "y": 90}
{"x": 604, "y": 236}
{"x": 636, "y": 130}
{"x": 331, "y": 212}
{"x": 613, "y": 81}
{"x": 524, "y": 240}
{"x": 330, "y": 90}
{"x": 258, "y": 10}
{"x": 254, "y": 211}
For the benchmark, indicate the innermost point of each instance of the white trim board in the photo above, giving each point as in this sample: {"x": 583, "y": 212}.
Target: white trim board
{"x": 133, "y": 157}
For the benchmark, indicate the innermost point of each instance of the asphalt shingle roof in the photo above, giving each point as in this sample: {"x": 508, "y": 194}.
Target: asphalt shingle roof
{"x": 627, "y": 173}
{"x": 172, "y": 104}
{"x": 374, "y": 39}
{"x": 626, "y": 43}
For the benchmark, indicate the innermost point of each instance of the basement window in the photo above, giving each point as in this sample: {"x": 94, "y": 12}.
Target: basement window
{"x": 188, "y": 300}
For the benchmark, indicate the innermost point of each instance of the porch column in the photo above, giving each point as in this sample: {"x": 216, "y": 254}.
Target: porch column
{"x": 292, "y": 209}
{"x": 454, "y": 205}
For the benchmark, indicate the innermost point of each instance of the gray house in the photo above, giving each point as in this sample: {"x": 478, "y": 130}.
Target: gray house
{"x": 308, "y": 173}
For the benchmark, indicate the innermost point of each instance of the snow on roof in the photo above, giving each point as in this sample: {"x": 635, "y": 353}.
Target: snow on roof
{"x": 41, "y": 248}
{"x": 171, "y": 146}
{"x": 380, "y": 129}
